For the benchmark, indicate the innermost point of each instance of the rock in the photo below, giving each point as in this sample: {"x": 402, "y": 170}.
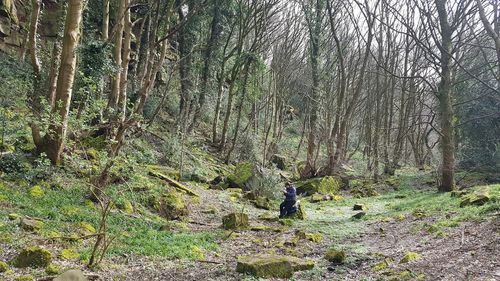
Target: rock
{"x": 268, "y": 216}
{"x": 263, "y": 203}
{"x": 235, "y": 221}
{"x": 359, "y": 215}
{"x": 300, "y": 214}
{"x": 326, "y": 185}
{"x": 126, "y": 206}
{"x": 217, "y": 180}
{"x": 335, "y": 256}
{"x": 170, "y": 205}
{"x": 234, "y": 190}
{"x": 410, "y": 256}
{"x": 272, "y": 266}
{"x": 242, "y": 174}
{"x": 52, "y": 269}
{"x": 85, "y": 228}
{"x": 3, "y": 266}
{"x": 198, "y": 178}
{"x": 37, "y": 192}
{"x": 33, "y": 257}
{"x": 381, "y": 265}
{"x": 316, "y": 197}
{"x": 475, "y": 198}
{"x": 359, "y": 207}
{"x": 69, "y": 254}
{"x": 264, "y": 228}
{"x": 71, "y": 275}
{"x": 313, "y": 237}
{"x": 279, "y": 160}
{"x": 30, "y": 224}
{"x": 14, "y": 216}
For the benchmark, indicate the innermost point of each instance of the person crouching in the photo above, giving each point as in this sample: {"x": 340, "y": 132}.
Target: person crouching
{"x": 288, "y": 206}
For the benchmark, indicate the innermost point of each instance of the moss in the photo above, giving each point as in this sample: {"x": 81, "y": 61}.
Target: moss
{"x": 400, "y": 217}
{"x": 410, "y": 256}
{"x": 268, "y": 216}
{"x": 235, "y": 221}
{"x": 313, "y": 237}
{"x": 126, "y": 206}
{"x": 33, "y": 257}
{"x": 271, "y": 265}
{"x": 326, "y": 185}
{"x": 70, "y": 210}
{"x": 286, "y": 222}
{"x": 335, "y": 256}
{"x": 25, "y": 278}
{"x": 30, "y": 224}
{"x": 37, "y": 192}
{"x": 381, "y": 265}
{"x": 197, "y": 253}
{"x": 69, "y": 254}
{"x": 242, "y": 174}
{"x": 52, "y": 269}
{"x": 86, "y": 228}
{"x": 170, "y": 205}
{"x": 263, "y": 203}
{"x": 476, "y": 199}
{"x": 3, "y": 266}
{"x": 13, "y": 216}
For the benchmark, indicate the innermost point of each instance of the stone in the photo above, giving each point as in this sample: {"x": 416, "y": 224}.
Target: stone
{"x": 268, "y": 216}
{"x": 475, "y": 199}
{"x": 326, "y": 185}
{"x": 381, "y": 265}
{"x": 52, "y": 269}
{"x": 69, "y": 254}
{"x": 263, "y": 203}
{"x": 242, "y": 174}
{"x": 34, "y": 256}
{"x": 71, "y": 275}
{"x": 236, "y": 221}
{"x": 313, "y": 237}
{"x": 170, "y": 205}
{"x": 14, "y": 216}
{"x": 359, "y": 207}
{"x": 410, "y": 256}
{"x": 272, "y": 266}
{"x": 359, "y": 215}
{"x": 234, "y": 190}
{"x": 300, "y": 214}
{"x": 3, "y": 266}
{"x": 279, "y": 161}
{"x": 335, "y": 256}
{"x": 30, "y": 224}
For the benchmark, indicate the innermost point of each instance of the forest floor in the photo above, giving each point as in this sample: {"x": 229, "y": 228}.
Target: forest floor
{"x": 451, "y": 243}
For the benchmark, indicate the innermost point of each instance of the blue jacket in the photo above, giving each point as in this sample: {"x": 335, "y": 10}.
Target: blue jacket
{"x": 290, "y": 193}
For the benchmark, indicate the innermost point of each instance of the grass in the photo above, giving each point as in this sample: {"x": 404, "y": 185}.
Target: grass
{"x": 63, "y": 209}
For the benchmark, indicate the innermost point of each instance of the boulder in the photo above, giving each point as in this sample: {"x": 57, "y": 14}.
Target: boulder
{"x": 335, "y": 256}
{"x": 30, "y": 224}
{"x": 300, "y": 214}
{"x": 236, "y": 221}
{"x": 272, "y": 266}
{"x": 326, "y": 185}
{"x": 279, "y": 160}
{"x": 313, "y": 237}
{"x": 476, "y": 199}
{"x": 170, "y": 205}
{"x": 316, "y": 197}
{"x": 71, "y": 275}
{"x": 263, "y": 203}
{"x": 242, "y": 174}
{"x": 33, "y": 257}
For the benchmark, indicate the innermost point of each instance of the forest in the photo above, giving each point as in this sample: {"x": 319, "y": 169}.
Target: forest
{"x": 249, "y": 140}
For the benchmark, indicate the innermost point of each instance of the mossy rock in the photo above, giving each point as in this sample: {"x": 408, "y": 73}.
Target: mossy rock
{"x": 359, "y": 207}
{"x": 475, "y": 199}
{"x": 381, "y": 265}
{"x": 71, "y": 275}
{"x": 242, "y": 174}
{"x": 14, "y": 216}
{"x": 272, "y": 266}
{"x": 31, "y": 224}
{"x": 234, "y": 190}
{"x": 69, "y": 254}
{"x": 36, "y": 192}
{"x": 34, "y": 256}
{"x": 300, "y": 214}
{"x": 263, "y": 203}
{"x": 410, "y": 256}
{"x": 3, "y": 266}
{"x": 313, "y": 237}
{"x": 126, "y": 206}
{"x": 326, "y": 185}
{"x": 268, "y": 216}
{"x": 52, "y": 269}
{"x": 279, "y": 161}
{"x": 92, "y": 154}
{"x": 393, "y": 181}
{"x": 317, "y": 197}
{"x": 25, "y": 278}
{"x": 85, "y": 228}
{"x": 170, "y": 205}
{"x": 264, "y": 228}
{"x": 235, "y": 221}
{"x": 335, "y": 256}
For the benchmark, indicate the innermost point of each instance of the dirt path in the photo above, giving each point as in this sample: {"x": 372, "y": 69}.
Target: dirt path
{"x": 468, "y": 252}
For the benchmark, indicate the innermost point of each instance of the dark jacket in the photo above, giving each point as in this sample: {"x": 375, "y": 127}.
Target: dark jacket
{"x": 290, "y": 193}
